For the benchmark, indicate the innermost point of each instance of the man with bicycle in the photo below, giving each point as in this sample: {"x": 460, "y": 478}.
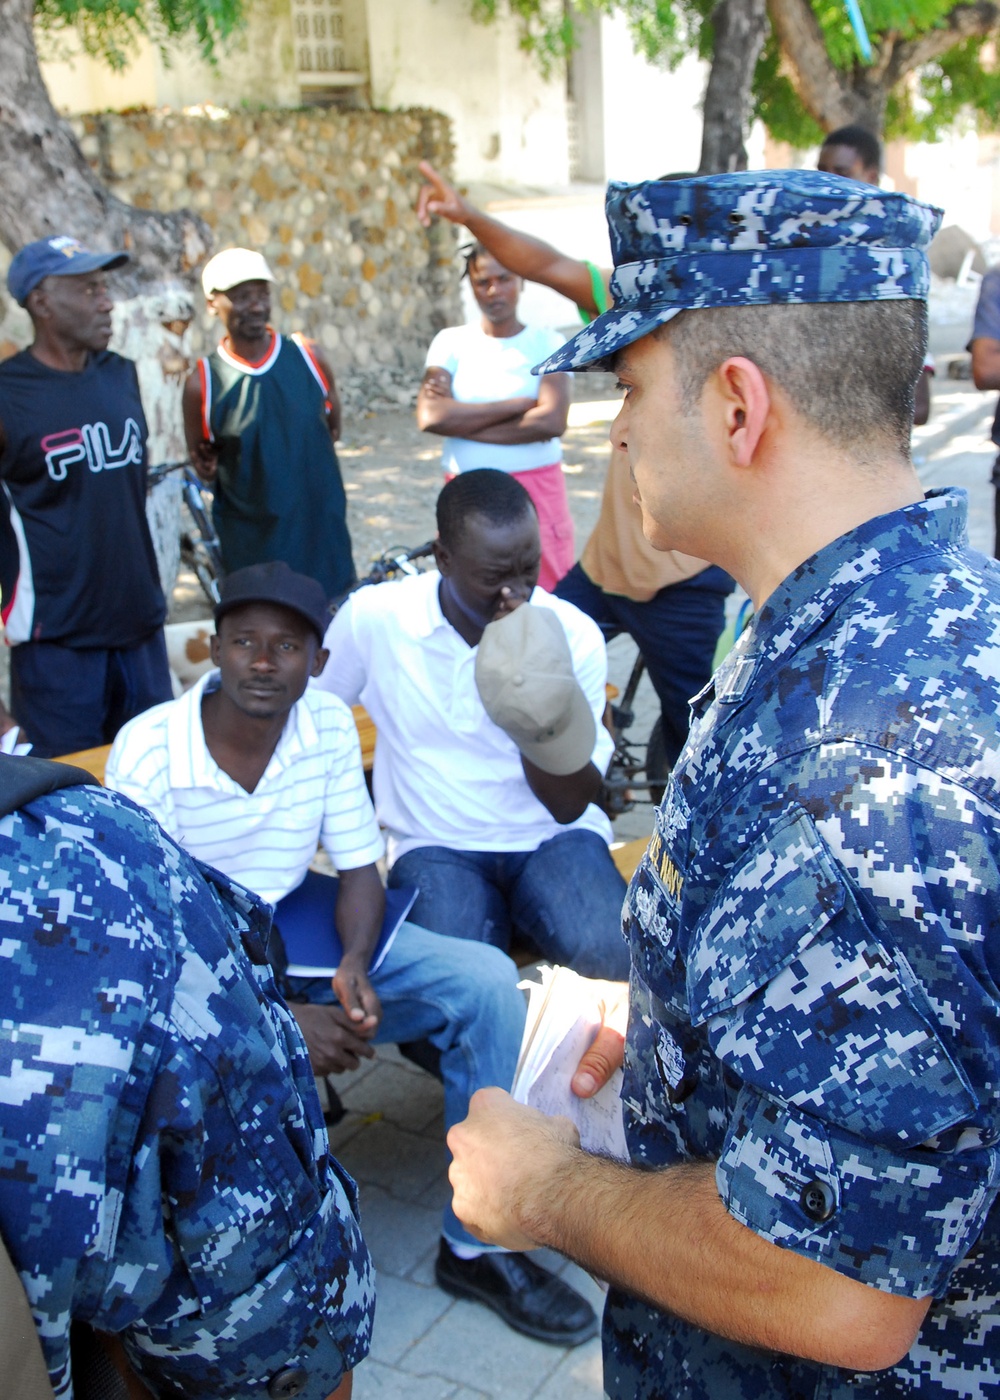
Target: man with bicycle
{"x": 82, "y": 603}
{"x": 261, "y": 416}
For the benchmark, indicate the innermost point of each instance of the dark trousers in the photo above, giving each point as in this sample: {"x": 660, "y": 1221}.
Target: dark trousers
{"x": 676, "y": 630}
{"x": 71, "y": 698}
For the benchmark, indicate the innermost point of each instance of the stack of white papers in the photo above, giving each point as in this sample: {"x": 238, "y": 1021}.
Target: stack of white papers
{"x": 565, "y": 1012}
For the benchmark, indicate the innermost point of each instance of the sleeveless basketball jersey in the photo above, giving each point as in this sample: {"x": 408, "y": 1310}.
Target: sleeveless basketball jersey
{"x": 278, "y": 492}
{"x": 76, "y": 559}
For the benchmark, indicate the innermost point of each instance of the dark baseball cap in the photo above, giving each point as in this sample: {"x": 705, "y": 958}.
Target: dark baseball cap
{"x": 58, "y": 256}
{"x": 275, "y": 583}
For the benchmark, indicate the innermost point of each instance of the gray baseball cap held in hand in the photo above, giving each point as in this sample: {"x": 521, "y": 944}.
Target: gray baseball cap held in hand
{"x": 524, "y": 674}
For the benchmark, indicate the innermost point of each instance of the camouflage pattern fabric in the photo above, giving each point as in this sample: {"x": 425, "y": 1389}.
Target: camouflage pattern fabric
{"x": 164, "y": 1166}
{"x": 816, "y": 960}
{"x": 747, "y": 239}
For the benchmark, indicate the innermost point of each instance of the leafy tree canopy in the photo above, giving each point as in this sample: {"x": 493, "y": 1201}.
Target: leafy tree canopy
{"x": 963, "y": 83}
{"x": 109, "y": 29}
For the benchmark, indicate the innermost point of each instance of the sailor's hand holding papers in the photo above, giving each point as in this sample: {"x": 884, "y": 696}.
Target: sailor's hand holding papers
{"x": 508, "y": 1155}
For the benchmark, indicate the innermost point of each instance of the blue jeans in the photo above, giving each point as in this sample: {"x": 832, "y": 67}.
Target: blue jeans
{"x": 676, "y": 631}
{"x": 565, "y": 899}
{"x": 463, "y": 998}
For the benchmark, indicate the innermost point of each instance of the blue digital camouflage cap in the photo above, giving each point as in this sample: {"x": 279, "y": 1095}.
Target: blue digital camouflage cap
{"x": 750, "y": 238}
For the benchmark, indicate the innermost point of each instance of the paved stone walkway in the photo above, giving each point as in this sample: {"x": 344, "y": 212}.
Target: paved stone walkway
{"x": 427, "y": 1345}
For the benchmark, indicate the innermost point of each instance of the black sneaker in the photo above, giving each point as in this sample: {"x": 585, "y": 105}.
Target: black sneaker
{"x": 528, "y": 1298}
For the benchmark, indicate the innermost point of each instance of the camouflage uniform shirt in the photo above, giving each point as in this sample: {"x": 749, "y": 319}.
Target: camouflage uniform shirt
{"x": 164, "y": 1167}
{"x": 816, "y": 956}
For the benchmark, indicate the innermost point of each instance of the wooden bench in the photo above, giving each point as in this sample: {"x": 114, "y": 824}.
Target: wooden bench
{"x": 627, "y": 855}
{"x": 94, "y": 761}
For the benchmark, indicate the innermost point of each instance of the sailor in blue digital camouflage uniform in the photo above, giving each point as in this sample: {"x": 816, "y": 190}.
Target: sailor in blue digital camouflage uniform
{"x": 812, "y": 1064}
{"x": 164, "y": 1167}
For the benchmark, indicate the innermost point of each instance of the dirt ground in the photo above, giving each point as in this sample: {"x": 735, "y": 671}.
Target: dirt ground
{"x": 392, "y": 475}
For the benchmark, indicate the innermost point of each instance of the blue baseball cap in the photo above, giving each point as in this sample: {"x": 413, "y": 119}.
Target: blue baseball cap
{"x": 750, "y": 238}
{"x": 58, "y": 256}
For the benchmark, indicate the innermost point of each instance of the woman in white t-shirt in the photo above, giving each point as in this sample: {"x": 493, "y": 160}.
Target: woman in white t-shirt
{"x": 480, "y": 395}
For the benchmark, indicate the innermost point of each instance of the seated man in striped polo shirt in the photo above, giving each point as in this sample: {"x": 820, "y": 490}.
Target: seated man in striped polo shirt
{"x": 249, "y": 771}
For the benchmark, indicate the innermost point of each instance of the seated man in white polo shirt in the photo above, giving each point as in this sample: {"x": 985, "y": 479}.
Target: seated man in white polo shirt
{"x": 248, "y": 772}
{"x": 497, "y": 832}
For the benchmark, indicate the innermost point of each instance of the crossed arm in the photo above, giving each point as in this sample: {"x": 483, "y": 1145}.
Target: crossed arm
{"x": 503, "y": 422}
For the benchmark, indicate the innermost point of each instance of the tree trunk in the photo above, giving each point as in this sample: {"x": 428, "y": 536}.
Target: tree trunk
{"x": 46, "y": 185}
{"x": 740, "y": 30}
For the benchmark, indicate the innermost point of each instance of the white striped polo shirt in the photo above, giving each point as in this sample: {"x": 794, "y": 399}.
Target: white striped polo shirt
{"x": 312, "y": 791}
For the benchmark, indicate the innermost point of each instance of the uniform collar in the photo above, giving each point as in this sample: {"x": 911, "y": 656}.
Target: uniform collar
{"x": 818, "y": 587}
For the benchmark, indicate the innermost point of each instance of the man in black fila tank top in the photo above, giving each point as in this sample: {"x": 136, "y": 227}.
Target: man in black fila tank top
{"x": 82, "y": 603}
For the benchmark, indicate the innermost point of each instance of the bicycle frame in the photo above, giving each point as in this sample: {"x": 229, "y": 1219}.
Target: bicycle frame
{"x": 200, "y": 552}
{"x": 623, "y": 784}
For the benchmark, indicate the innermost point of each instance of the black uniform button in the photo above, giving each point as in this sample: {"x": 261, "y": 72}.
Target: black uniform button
{"x": 287, "y": 1384}
{"x": 817, "y": 1200}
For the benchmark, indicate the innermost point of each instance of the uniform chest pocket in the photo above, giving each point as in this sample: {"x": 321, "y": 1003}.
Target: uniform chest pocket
{"x": 804, "y": 997}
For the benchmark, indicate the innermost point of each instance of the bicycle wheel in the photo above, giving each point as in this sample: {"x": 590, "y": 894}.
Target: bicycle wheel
{"x": 657, "y": 763}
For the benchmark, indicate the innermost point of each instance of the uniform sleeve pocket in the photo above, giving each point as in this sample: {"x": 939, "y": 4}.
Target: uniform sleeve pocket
{"x": 897, "y": 1221}
{"x": 806, "y": 1001}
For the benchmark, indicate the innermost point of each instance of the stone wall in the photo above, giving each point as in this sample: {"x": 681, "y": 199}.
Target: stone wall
{"x": 327, "y": 196}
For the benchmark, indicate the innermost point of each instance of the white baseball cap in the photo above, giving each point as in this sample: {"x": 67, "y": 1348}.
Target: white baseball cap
{"x": 233, "y": 266}
{"x": 524, "y": 675}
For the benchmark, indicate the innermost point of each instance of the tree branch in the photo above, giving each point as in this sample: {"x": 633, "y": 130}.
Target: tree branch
{"x": 836, "y": 97}
{"x": 961, "y": 23}
{"x": 825, "y": 90}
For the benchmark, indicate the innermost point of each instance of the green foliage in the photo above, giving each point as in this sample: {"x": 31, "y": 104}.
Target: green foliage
{"x": 663, "y": 30}
{"x": 547, "y": 31}
{"x": 109, "y": 28}
{"x": 963, "y": 84}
